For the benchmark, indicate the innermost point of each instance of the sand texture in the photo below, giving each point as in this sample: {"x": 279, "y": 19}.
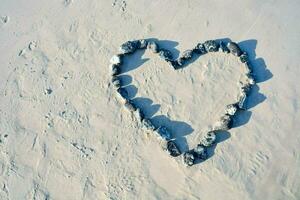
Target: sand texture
{"x": 65, "y": 136}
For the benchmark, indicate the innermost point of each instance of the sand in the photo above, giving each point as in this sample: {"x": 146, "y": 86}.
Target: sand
{"x": 64, "y": 134}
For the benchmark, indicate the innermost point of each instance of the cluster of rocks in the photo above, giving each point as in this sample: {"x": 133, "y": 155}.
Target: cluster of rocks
{"x": 225, "y": 122}
{"x": 127, "y": 48}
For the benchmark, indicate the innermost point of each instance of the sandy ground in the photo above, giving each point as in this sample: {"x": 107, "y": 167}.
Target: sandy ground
{"x": 64, "y": 135}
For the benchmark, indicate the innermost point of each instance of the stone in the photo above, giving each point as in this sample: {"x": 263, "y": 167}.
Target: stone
{"x": 250, "y": 79}
{"x": 142, "y": 44}
{"x": 164, "y": 133}
{"x": 188, "y": 158}
{"x": 231, "y": 109}
{"x": 242, "y": 100}
{"x": 130, "y": 106}
{"x": 200, "y": 49}
{"x": 139, "y": 115}
{"x": 244, "y": 57}
{"x": 200, "y": 152}
{"x": 115, "y": 69}
{"x": 234, "y": 48}
{"x": 122, "y": 92}
{"x": 225, "y": 123}
{"x": 172, "y": 148}
{"x": 211, "y": 46}
{"x": 116, "y": 82}
{"x": 128, "y": 47}
{"x": 223, "y": 47}
{"x": 174, "y": 64}
{"x": 187, "y": 54}
{"x": 147, "y": 124}
{"x": 115, "y": 60}
{"x": 209, "y": 139}
{"x": 180, "y": 61}
{"x": 152, "y": 46}
{"x": 165, "y": 54}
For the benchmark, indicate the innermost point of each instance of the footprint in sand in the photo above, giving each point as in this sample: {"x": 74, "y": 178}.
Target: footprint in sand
{"x": 4, "y": 19}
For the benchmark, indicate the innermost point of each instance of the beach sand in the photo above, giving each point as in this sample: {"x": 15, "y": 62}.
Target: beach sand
{"x": 65, "y": 135}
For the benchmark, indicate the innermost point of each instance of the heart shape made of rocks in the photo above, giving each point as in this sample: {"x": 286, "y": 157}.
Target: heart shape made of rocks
{"x": 225, "y": 122}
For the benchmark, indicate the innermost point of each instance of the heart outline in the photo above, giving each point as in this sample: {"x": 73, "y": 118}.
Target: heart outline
{"x": 168, "y": 60}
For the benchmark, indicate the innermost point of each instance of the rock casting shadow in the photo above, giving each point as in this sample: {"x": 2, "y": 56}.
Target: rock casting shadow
{"x": 221, "y": 137}
{"x": 180, "y": 129}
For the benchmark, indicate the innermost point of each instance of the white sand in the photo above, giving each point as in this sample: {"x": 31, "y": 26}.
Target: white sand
{"x": 65, "y": 136}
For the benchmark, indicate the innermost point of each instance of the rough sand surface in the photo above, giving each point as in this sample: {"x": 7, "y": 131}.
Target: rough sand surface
{"x": 64, "y": 135}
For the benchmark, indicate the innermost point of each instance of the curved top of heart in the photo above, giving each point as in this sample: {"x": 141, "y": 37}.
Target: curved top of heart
{"x": 225, "y": 122}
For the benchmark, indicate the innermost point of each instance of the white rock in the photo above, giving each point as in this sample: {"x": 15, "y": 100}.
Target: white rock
{"x": 116, "y": 60}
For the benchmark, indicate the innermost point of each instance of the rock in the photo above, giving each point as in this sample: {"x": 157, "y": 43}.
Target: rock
{"x": 234, "y": 48}
{"x": 188, "y": 158}
{"x": 209, "y": 139}
{"x": 152, "y": 46}
{"x": 211, "y": 46}
{"x": 174, "y": 64}
{"x": 122, "y": 92}
{"x": 165, "y": 54}
{"x": 200, "y": 49}
{"x": 130, "y": 106}
{"x": 223, "y": 47}
{"x": 115, "y": 60}
{"x": 115, "y": 69}
{"x": 147, "y": 124}
{"x": 116, "y": 82}
{"x": 142, "y": 44}
{"x": 200, "y": 152}
{"x": 128, "y": 47}
{"x": 250, "y": 79}
{"x": 164, "y": 133}
{"x": 244, "y": 57}
{"x": 139, "y": 115}
{"x": 242, "y": 100}
{"x": 225, "y": 123}
{"x": 187, "y": 54}
{"x": 231, "y": 109}
{"x": 173, "y": 149}
{"x": 180, "y": 61}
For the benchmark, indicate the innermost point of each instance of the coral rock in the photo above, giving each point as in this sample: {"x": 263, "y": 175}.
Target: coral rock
{"x": 142, "y": 44}
{"x": 200, "y": 152}
{"x": 188, "y": 158}
{"x": 129, "y": 47}
{"x": 244, "y": 57}
{"x": 209, "y": 139}
{"x": 165, "y": 54}
{"x": 231, "y": 109}
{"x": 234, "y": 48}
{"x": 116, "y": 60}
{"x": 187, "y": 54}
{"x": 173, "y": 149}
{"x": 211, "y": 46}
{"x": 200, "y": 49}
{"x": 223, "y": 47}
{"x": 225, "y": 123}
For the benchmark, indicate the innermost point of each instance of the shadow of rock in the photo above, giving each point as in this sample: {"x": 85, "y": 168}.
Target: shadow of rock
{"x": 178, "y": 129}
{"x": 146, "y": 105}
{"x": 241, "y": 118}
{"x": 125, "y": 79}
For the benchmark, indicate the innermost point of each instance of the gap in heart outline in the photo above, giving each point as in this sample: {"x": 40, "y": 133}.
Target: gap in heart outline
{"x": 260, "y": 71}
